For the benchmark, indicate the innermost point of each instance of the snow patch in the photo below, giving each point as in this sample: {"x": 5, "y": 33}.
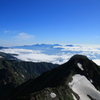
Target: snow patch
{"x": 74, "y": 97}
{"x": 91, "y": 81}
{"x": 53, "y": 95}
{"x": 16, "y": 73}
{"x": 22, "y": 76}
{"x": 83, "y": 87}
{"x": 1, "y": 57}
{"x": 80, "y": 66}
{"x": 26, "y": 71}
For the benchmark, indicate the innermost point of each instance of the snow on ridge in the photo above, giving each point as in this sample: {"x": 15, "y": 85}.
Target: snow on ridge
{"x": 73, "y": 96}
{"x": 80, "y": 66}
{"x": 83, "y": 87}
{"x": 22, "y": 76}
{"x": 91, "y": 80}
{"x": 1, "y": 57}
{"x": 53, "y": 95}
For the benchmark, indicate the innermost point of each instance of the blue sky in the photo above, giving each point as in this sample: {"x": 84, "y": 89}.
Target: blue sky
{"x": 24, "y": 22}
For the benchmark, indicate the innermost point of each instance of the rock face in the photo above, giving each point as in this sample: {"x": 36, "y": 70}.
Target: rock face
{"x": 56, "y": 84}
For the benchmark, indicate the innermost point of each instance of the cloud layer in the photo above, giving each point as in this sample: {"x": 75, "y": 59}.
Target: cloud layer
{"x": 54, "y": 54}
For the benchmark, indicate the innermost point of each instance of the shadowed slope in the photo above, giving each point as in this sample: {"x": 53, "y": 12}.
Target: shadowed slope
{"x": 57, "y": 80}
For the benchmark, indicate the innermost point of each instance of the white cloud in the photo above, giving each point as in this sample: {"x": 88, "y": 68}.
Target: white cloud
{"x": 33, "y": 55}
{"x": 24, "y": 36}
{"x": 58, "y": 57}
{"x": 6, "y": 31}
{"x": 97, "y": 61}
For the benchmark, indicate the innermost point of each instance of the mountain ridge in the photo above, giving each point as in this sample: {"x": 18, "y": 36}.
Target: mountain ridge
{"x": 58, "y": 79}
{"x": 14, "y": 72}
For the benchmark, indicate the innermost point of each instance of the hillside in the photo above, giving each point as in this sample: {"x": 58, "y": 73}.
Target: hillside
{"x": 77, "y": 79}
{"x": 14, "y": 72}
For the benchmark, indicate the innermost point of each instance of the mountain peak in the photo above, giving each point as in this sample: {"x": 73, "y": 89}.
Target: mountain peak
{"x": 58, "y": 79}
{"x": 77, "y": 56}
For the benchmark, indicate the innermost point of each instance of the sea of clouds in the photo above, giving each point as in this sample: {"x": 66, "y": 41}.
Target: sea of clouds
{"x": 54, "y": 54}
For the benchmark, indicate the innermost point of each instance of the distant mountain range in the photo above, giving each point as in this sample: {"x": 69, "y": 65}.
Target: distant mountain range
{"x": 1, "y": 47}
{"x": 77, "y": 79}
{"x": 37, "y": 46}
{"x": 44, "y": 48}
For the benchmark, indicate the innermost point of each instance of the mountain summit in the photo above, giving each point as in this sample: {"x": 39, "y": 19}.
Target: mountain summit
{"x": 77, "y": 79}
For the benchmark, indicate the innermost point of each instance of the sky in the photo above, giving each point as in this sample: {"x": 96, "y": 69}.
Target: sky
{"x": 27, "y": 22}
